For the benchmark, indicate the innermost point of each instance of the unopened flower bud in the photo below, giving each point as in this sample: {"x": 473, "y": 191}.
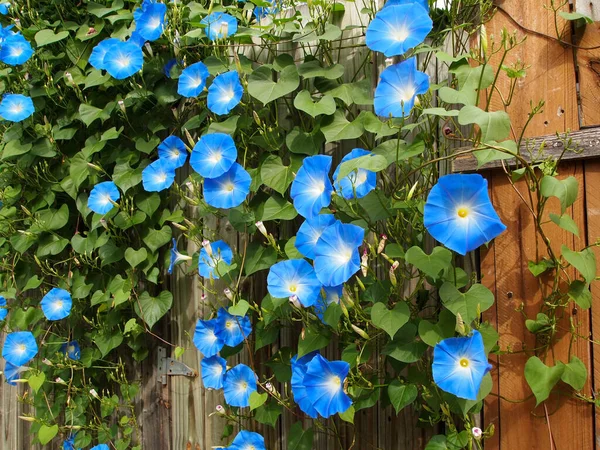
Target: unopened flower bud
{"x": 149, "y": 49}
{"x": 228, "y": 293}
{"x": 262, "y": 229}
{"x": 294, "y": 301}
{"x": 269, "y": 387}
{"x": 121, "y": 104}
{"x": 347, "y": 299}
{"x": 360, "y": 332}
{"x": 412, "y": 190}
{"x": 484, "y": 40}
{"x": 364, "y": 263}
{"x": 477, "y": 433}
{"x": 91, "y": 31}
{"x": 60, "y": 380}
{"x": 392, "y": 274}
{"x": 207, "y": 247}
{"x": 47, "y": 362}
{"x": 220, "y": 409}
{"x": 381, "y": 245}
{"x": 69, "y": 77}
{"x": 181, "y": 227}
{"x": 94, "y": 394}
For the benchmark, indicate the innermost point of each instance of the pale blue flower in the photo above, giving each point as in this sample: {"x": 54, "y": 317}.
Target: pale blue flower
{"x": 100, "y": 447}
{"x": 260, "y": 12}
{"x": 309, "y": 233}
{"x": 19, "y": 347}
{"x": 336, "y": 253}
{"x": 219, "y": 25}
{"x": 12, "y": 373}
{"x": 239, "y": 383}
{"x": 72, "y": 350}
{"x": 16, "y": 107}
{"x": 229, "y": 190}
{"x": 15, "y": 50}
{"x": 96, "y": 58}
{"x": 205, "y": 338}
{"x": 151, "y": 23}
{"x": 175, "y": 256}
{"x": 158, "y": 176}
{"x": 359, "y": 182}
{"x": 232, "y": 329}
{"x": 4, "y": 8}
{"x": 248, "y": 440}
{"x": 311, "y": 189}
{"x": 225, "y": 93}
{"x": 123, "y": 59}
{"x": 3, "y": 308}
{"x": 208, "y": 263}
{"x": 173, "y": 152}
{"x": 459, "y": 214}
{"x": 192, "y": 80}
{"x": 299, "y": 367}
{"x": 69, "y": 443}
{"x": 213, "y": 155}
{"x": 56, "y": 304}
{"x": 324, "y": 384}
{"x": 294, "y": 277}
{"x": 213, "y": 372}
{"x": 102, "y": 197}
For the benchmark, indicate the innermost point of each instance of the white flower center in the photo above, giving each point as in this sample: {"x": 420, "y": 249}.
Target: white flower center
{"x": 105, "y": 200}
{"x": 317, "y": 188}
{"x": 58, "y": 304}
{"x": 154, "y": 23}
{"x": 229, "y": 187}
{"x": 218, "y": 369}
{"x": 17, "y": 107}
{"x": 21, "y": 348}
{"x": 358, "y": 178}
{"x": 161, "y": 177}
{"x": 196, "y": 82}
{"x": 228, "y": 95}
{"x": 401, "y": 34}
{"x": 243, "y": 386}
{"x": 407, "y": 93}
{"x": 174, "y": 153}
{"x": 17, "y": 51}
{"x": 215, "y": 157}
{"x": 334, "y": 383}
{"x": 125, "y": 61}
{"x": 343, "y": 256}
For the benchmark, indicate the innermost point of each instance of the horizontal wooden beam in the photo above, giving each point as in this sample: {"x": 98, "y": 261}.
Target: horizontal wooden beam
{"x": 584, "y": 144}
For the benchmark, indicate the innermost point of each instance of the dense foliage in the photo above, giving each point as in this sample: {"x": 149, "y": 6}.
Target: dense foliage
{"x": 129, "y": 126}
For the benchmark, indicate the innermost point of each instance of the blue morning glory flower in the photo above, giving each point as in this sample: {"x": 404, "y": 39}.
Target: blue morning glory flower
{"x": 102, "y": 197}
{"x": 19, "y": 347}
{"x": 96, "y": 58}
{"x": 309, "y": 233}
{"x": 247, "y": 440}
{"x": 360, "y": 181}
{"x": 172, "y": 151}
{"x": 311, "y": 189}
{"x": 137, "y": 39}
{"x": 69, "y": 443}
{"x": 151, "y": 23}
{"x": 158, "y": 176}
{"x": 219, "y": 25}
{"x": 176, "y": 257}
{"x": 123, "y": 59}
{"x": 4, "y": 8}
{"x": 100, "y": 447}
{"x": 192, "y": 80}
{"x": 16, "y": 107}
{"x": 205, "y": 338}
{"x": 336, "y": 253}
{"x": 213, "y": 372}
{"x": 12, "y": 373}
{"x": 299, "y": 367}
{"x": 459, "y": 365}
{"x": 260, "y": 12}
{"x": 3, "y": 308}
{"x": 228, "y": 190}
{"x": 56, "y": 304}
{"x": 15, "y": 50}
{"x": 458, "y": 213}
{"x": 324, "y": 384}
{"x": 423, "y": 3}
{"x": 213, "y": 155}
{"x": 169, "y": 65}
{"x": 398, "y": 87}
{"x": 72, "y": 350}
{"x": 398, "y": 28}
{"x": 225, "y": 93}
{"x": 294, "y": 277}
{"x": 137, "y": 12}
{"x": 333, "y": 294}
{"x": 239, "y": 383}
{"x": 207, "y": 263}
{"x": 232, "y": 329}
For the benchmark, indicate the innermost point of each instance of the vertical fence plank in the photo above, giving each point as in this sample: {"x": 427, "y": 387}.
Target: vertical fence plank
{"x": 588, "y": 62}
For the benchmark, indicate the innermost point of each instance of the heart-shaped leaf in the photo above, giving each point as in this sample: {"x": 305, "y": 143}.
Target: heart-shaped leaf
{"x": 565, "y": 190}
{"x": 151, "y": 309}
{"x": 262, "y": 87}
{"x": 541, "y": 378}
{"x": 433, "y": 264}
{"x": 304, "y": 102}
{"x": 401, "y": 395}
{"x": 468, "y": 304}
{"x": 134, "y": 257}
{"x": 390, "y": 321}
{"x": 584, "y": 262}
{"x": 45, "y": 37}
{"x": 36, "y": 381}
{"x": 257, "y": 400}
{"x": 46, "y": 433}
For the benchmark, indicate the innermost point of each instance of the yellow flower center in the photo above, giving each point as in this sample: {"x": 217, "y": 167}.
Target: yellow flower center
{"x": 22, "y": 348}
{"x": 464, "y": 362}
{"x": 462, "y": 212}
{"x": 58, "y": 304}
{"x": 336, "y": 381}
{"x": 293, "y": 288}
{"x": 228, "y": 324}
{"x": 229, "y": 187}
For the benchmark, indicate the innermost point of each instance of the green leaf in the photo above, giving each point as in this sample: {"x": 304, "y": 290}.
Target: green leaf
{"x": 441, "y": 112}
{"x": 151, "y": 309}
{"x": 290, "y": 249}
{"x": 372, "y": 162}
{"x": 405, "y": 352}
{"x": 312, "y": 69}
{"x": 135, "y": 257}
{"x": 239, "y": 309}
{"x": 575, "y": 16}
{"x": 390, "y": 321}
{"x": 89, "y": 113}
{"x": 565, "y": 222}
{"x": 565, "y": 190}
{"x": 495, "y": 126}
{"x": 432, "y": 265}
{"x": 257, "y": 400}
{"x": 437, "y": 443}
{"x": 275, "y": 175}
{"x": 108, "y": 340}
{"x": 299, "y": 438}
{"x": 268, "y": 414}
{"x": 155, "y": 239}
{"x": 431, "y": 333}
{"x": 304, "y": 102}
{"x": 258, "y": 258}
{"x": 489, "y": 154}
{"x": 401, "y": 395}
{"x": 46, "y": 433}
{"x": 36, "y": 381}
{"x": 304, "y": 143}
{"x": 580, "y": 293}
{"x": 538, "y": 268}
{"x": 541, "y": 378}
{"x": 51, "y": 219}
{"x": 469, "y": 304}
{"x": 15, "y": 148}
{"x": 575, "y": 374}
{"x": 45, "y": 37}
{"x": 337, "y": 127}
{"x": 584, "y": 261}
{"x": 313, "y": 339}
{"x": 276, "y": 208}
{"x": 262, "y": 87}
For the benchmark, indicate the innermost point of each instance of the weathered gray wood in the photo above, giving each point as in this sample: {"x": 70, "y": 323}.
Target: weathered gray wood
{"x": 582, "y": 144}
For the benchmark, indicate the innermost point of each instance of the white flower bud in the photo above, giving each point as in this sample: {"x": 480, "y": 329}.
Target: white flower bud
{"x": 47, "y": 362}
{"x": 94, "y": 394}
{"x": 381, "y": 245}
{"x": 69, "y": 77}
{"x": 294, "y": 301}
{"x": 207, "y": 247}
{"x": 261, "y": 228}
{"x": 269, "y": 387}
{"x": 220, "y": 409}
{"x": 228, "y": 293}
{"x": 477, "y": 433}
{"x": 364, "y": 263}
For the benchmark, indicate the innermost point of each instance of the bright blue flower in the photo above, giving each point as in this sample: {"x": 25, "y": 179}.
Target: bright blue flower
{"x": 172, "y": 151}
{"x": 213, "y": 155}
{"x": 228, "y": 190}
{"x": 56, "y": 304}
{"x": 398, "y": 28}
{"x": 333, "y": 294}
{"x": 247, "y": 440}
{"x": 102, "y": 196}
{"x": 336, "y": 253}
{"x": 69, "y": 443}
{"x": 239, "y": 383}
{"x": 260, "y": 12}
{"x": 3, "y": 308}
{"x": 232, "y": 329}
{"x": 423, "y": 3}
{"x": 398, "y": 87}
{"x": 151, "y": 23}
{"x": 176, "y": 256}
{"x": 299, "y": 367}
{"x": 5, "y": 33}
{"x": 12, "y": 373}
{"x": 137, "y": 13}
{"x": 19, "y": 347}
{"x": 458, "y": 213}
{"x": 311, "y": 189}
{"x": 224, "y": 93}
{"x": 360, "y": 181}
{"x": 96, "y": 58}
{"x": 309, "y": 233}
{"x": 219, "y": 25}
{"x": 158, "y": 176}
{"x": 192, "y": 80}
{"x": 4, "y": 8}
{"x": 459, "y": 365}
{"x": 169, "y": 66}
{"x": 100, "y": 447}
{"x": 137, "y": 39}
{"x": 72, "y": 350}
{"x": 294, "y": 277}
{"x": 205, "y": 338}
{"x": 16, "y": 107}
{"x": 213, "y": 372}
{"x": 210, "y": 259}
{"x": 15, "y": 50}
{"x": 123, "y": 59}
{"x": 324, "y": 384}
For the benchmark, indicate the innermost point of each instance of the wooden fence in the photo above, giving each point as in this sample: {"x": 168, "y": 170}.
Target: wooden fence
{"x": 175, "y": 411}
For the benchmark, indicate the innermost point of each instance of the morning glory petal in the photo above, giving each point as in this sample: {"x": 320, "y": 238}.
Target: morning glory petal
{"x": 16, "y": 107}
{"x": 225, "y": 93}
{"x": 360, "y": 181}
{"x": 192, "y": 80}
{"x": 324, "y": 383}
{"x": 233, "y": 330}
{"x": 158, "y": 176}
{"x": 173, "y": 152}
{"x": 336, "y": 253}
{"x": 207, "y": 264}
{"x": 19, "y": 347}
{"x": 56, "y": 304}
{"x": 123, "y": 59}
{"x": 15, "y": 50}
{"x": 311, "y": 189}
{"x": 151, "y": 23}
{"x": 309, "y": 233}
{"x": 239, "y": 383}
{"x": 213, "y": 372}
{"x": 219, "y": 25}
{"x": 213, "y": 155}
{"x": 228, "y": 190}
{"x": 205, "y": 338}
{"x": 294, "y": 277}
{"x": 96, "y": 59}
{"x": 101, "y": 196}
{"x": 247, "y": 440}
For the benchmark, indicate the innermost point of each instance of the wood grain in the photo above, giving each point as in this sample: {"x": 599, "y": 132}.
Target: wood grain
{"x": 588, "y": 62}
